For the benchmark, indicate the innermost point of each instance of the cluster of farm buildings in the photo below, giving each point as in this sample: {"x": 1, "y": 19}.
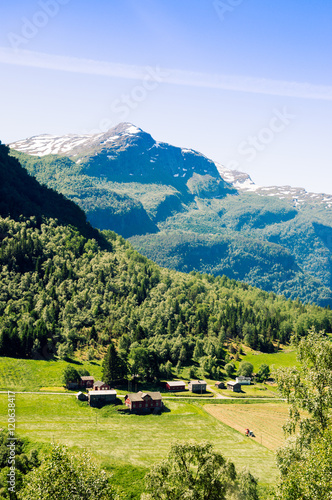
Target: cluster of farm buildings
{"x": 99, "y": 393}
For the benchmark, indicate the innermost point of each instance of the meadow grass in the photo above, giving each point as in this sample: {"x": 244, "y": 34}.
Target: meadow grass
{"x": 252, "y": 391}
{"x": 120, "y": 440}
{"x": 34, "y": 375}
{"x": 286, "y": 357}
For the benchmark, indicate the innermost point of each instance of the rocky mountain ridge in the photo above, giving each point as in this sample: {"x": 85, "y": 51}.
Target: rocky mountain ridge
{"x": 123, "y": 136}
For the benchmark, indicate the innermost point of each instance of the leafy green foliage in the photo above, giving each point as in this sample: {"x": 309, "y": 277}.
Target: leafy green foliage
{"x": 309, "y": 387}
{"x": 245, "y": 369}
{"x": 230, "y": 369}
{"x": 70, "y": 375}
{"x": 19, "y": 461}
{"x": 62, "y": 475}
{"x": 307, "y": 474}
{"x": 196, "y": 471}
{"x": 305, "y": 462}
{"x": 263, "y": 373}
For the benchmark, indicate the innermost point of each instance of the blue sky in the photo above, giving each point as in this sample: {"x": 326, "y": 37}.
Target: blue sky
{"x": 246, "y": 82}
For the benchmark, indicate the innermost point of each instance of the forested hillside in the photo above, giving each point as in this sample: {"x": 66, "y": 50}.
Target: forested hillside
{"x": 58, "y": 286}
{"x": 21, "y": 194}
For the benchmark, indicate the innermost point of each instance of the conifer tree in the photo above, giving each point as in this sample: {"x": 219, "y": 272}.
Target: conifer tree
{"x": 113, "y": 366}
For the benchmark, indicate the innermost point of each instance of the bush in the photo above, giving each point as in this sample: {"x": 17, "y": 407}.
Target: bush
{"x": 70, "y": 375}
{"x": 229, "y": 369}
{"x": 245, "y": 369}
{"x": 263, "y": 373}
{"x": 68, "y": 477}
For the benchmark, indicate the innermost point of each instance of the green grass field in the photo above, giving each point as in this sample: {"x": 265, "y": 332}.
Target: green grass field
{"x": 122, "y": 440}
{"x": 285, "y": 357}
{"x": 252, "y": 391}
{"x": 33, "y": 375}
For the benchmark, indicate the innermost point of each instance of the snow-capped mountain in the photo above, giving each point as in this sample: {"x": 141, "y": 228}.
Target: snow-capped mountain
{"x": 187, "y": 212}
{"x": 73, "y": 144}
{"x": 126, "y": 153}
{"x": 243, "y": 182}
{"x": 185, "y": 161}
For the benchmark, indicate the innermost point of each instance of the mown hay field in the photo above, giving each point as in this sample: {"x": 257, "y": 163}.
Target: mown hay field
{"x": 139, "y": 441}
{"x": 266, "y": 420}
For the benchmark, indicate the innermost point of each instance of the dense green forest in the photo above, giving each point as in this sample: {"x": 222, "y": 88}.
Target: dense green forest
{"x": 57, "y": 285}
{"x": 178, "y": 211}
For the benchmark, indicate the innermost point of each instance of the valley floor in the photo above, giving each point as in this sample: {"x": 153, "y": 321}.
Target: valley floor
{"x": 138, "y": 441}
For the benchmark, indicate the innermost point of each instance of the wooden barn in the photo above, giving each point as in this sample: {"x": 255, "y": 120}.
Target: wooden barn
{"x": 197, "y": 386}
{"x": 100, "y": 386}
{"x": 220, "y": 385}
{"x": 81, "y": 396}
{"x": 87, "y": 381}
{"x": 73, "y": 385}
{"x": 101, "y": 398}
{"x": 233, "y": 386}
{"x": 143, "y": 402}
{"x": 177, "y": 385}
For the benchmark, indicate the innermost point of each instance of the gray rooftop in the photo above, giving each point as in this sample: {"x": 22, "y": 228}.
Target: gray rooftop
{"x": 139, "y": 396}
{"x": 99, "y": 383}
{"x": 102, "y": 393}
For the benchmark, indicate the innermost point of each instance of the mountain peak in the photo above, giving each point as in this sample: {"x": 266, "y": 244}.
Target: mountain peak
{"x": 74, "y": 144}
{"x": 141, "y": 153}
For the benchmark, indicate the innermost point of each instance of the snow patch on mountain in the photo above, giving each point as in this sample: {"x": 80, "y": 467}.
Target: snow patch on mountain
{"x": 73, "y": 144}
{"x": 125, "y": 135}
{"x": 133, "y": 130}
{"x": 42, "y": 145}
{"x": 243, "y": 182}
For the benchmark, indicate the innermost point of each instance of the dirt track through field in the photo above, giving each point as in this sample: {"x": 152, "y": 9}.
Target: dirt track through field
{"x": 266, "y": 420}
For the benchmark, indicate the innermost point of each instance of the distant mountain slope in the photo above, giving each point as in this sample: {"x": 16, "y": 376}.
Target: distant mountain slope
{"x": 278, "y": 238}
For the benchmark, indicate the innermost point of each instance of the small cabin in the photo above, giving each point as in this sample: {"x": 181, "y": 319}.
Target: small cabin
{"x": 87, "y": 381}
{"x": 233, "y": 386}
{"x": 220, "y": 385}
{"x": 81, "y": 396}
{"x": 243, "y": 380}
{"x": 177, "y": 385}
{"x": 197, "y": 386}
{"x": 100, "y": 386}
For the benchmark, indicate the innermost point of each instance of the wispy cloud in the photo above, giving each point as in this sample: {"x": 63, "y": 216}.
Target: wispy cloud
{"x": 171, "y": 76}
